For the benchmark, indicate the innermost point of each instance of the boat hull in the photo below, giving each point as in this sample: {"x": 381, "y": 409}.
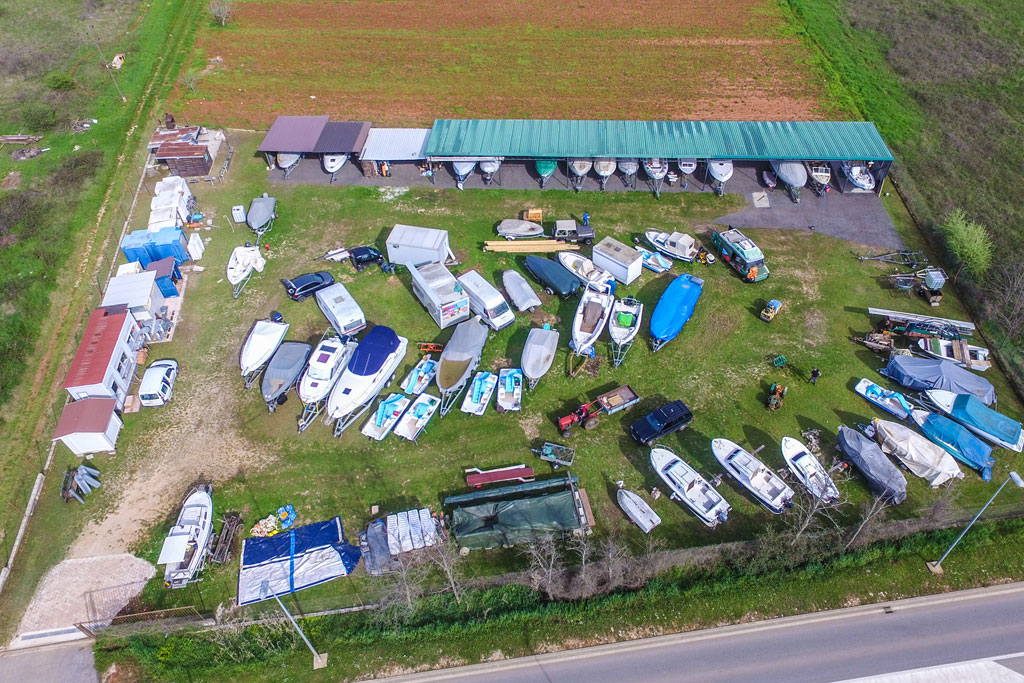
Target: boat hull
{"x": 638, "y": 511}
{"x": 333, "y": 163}
{"x": 589, "y": 322}
{"x": 689, "y": 487}
{"x": 768, "y": 489}
{"x": 720, "y": 170}
{"x": 624, "y": 334}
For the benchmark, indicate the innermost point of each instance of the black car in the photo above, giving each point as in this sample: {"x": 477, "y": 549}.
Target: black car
{"x": 553, "y": 275}
{"x": 667, "y": 419}
{"x": 307, "y": 285}
{"x": 365, "y": 256}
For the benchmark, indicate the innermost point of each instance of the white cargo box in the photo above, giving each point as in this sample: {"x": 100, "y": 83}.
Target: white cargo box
{"x": 623, "y": 262}
{"x": 410, "y": 245}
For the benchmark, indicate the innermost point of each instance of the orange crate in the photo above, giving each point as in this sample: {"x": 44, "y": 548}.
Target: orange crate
{"x": 535, "y": 215}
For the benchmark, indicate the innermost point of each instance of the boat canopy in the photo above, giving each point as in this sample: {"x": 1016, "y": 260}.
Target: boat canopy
{"x": 922, "y": 457}
{"x": 971, "y": 411}
{"x": 883, "y": 478}
{"x": 373, "y": 351}
{"x": 934, "y": 373}
{"x": 675, "y": 306}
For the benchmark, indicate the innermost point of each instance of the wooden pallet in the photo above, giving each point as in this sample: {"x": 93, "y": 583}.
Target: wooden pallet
{"x": 528, "y": 246}
{"x": 225, "y": 541}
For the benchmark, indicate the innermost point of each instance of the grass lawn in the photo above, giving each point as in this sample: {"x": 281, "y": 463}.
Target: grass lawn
{"x": 719, "y": 365}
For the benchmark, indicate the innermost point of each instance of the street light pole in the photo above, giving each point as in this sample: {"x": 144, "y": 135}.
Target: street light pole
{"x": 319, "y": 659}
{"x": 936, "y": 567}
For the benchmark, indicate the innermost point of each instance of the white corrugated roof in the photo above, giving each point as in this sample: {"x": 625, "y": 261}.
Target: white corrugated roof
{"x": 130, "y": 290}
{"x": 413, "y": 236}
{"x": 395, "y": 144}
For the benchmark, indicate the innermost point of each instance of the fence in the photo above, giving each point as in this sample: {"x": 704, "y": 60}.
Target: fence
{"x": 173, "y": 619}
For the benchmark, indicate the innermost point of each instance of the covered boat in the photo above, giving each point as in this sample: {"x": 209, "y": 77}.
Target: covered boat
{"x": 583, "y": 268}
{"x": 766, "y": 486}
{"x": 956, "y": 350}
{"x": 514, "y": 229}
{"x": 510, "y": 390}
{"x": 185, "y": 549}
{"x": 653, "y": 260}
{"x": 890, "y": 401}
{"x": 674, "y": 309}
{"x": 555, "y": 278}
{"x": 326, "y": 364}
{"x": 793, "y": 173}
{"x": 689, "y": 487}
{"x": 459, "y": 359}
{"x": 370, "y": 368}
{"x": 478, "y": 397}
{"x": 932, "y": 373}
{"x": 545, "y": 169}
{"x": 637, "y": 509}
{"x": 286, "y": 160}
{"x": 259, "y": 346}
{"x": 384, "y": 419}
{"x": 677, "y": 245}
{"x": 241, "y": 264}
{"x": 604, "y": 167}
{"x": 811, "y": 473}
{"x": 591, "y": 316}
{"x": 919, "y": 455}
{"x": 261, "y": 214}
{"x": 462, "y": 170}
{"x": 628, "y": 168}
{"x": 520, "y": 291}
{"x": 580, "y": 167}
{"x": 538, "y": 353}
{"x": 884, "y": 479}
{"x": 415, "y": 419}
{"x": 957, "y": 440}
{"x": 283, "y": 371}
{"x": 419, "y": 377}
{"x": 859, "y": 174}
{"x": 979, "y": 418}
{"x": 623, "y": 326}
{"x": 687, "y": 166}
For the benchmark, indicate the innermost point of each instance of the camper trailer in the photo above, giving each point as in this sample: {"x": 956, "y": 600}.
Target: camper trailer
{"x": 440, "y": 293}
{"x": 409, "y": 245}
{"x": 341, "y": 309}
{"x": 486, "y": 301}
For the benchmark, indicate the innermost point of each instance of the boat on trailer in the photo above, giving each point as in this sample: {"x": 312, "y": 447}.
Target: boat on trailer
{"x": 520, "y": 291}
{"x": 857, "y": 172}
{"x": 978, "y": 417}
{"x": 259, "y": 347}
{"x": 545, "y": 169}
{"x": 241, "y": 264}
{"x": 654, "y": 261}
{"x": 765, "y": 485}
{"x": 793, "y": 174}
{"x": 809, "y": 471}
{"x": 629, "y": 168}
{"x": 538, "y": 354}
{"x": 677, "y": 245}
{"x": 459, "y": 359}
{"x": 689, "y": 487}
{"x": 415, "y": 419}
{"x": 604, "y": 167}
{"x": 583, "y": 268}
{"x": 592, "y": 315}
{"x": 370, "y": 368}
{"x": 285, "y": 160}
{"x": 957, "y": 440}
{"x": 579, "y": 169}
{"x": 674, "y": 309}
{"x": 478, "y": 397}
{"x": 187, "y": 545}
{"x": 386, "y": 416}
{"x": 656, "y": 170}
{"x": 333, "y": 163}
{"x": 623, "y": 326}
{"x": 890, "y": 401}
{"x": 418, "y": 379}
{"x": 821, "y": 177}
{"x": 638, "y": 511}
{"x": 510, "y": 390}
{"x": 489, "y": 167}
{"x": 957, "y": 350}
{"x": 515, "y": 229}
{"x": 462, "y": 170}
{"x": 283, "y": 371}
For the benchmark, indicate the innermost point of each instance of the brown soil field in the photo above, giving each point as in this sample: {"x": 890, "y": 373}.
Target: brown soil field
{"x": 405, "y": 63}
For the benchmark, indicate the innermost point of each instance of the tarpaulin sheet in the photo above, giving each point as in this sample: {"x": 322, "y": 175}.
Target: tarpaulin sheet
{"x": 970, "y": 411}
{"x": 884, "y": 479}
{"x": 513, "y": 522}
{"x": 933, "y": 373}
{"x": 958, "y": 440}
{"x": 922, "y": 457}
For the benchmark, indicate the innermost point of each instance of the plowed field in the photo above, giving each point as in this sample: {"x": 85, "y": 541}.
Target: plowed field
{"x": 407, "y": 62}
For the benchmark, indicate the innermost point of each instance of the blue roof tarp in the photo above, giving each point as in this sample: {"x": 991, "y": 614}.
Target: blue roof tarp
{"x": 675, "y": 306}
{"x": 970, "y": 411}
{"x": 933, "y": 373}
{"x": 292, "y": 560}
{"x": 959, "y": 442}
{"x": 884, "y": 479}
{"x": 373, "y": 351}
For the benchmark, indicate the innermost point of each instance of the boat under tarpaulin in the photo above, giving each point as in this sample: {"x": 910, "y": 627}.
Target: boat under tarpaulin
{"x": 919, "y": 455}
{"x": 883, "y": 478}
{"x": 459, "y": 359}
{"x": 790, "y": 172}
{"x": 674, "y": 308}
{"x": 538, "y": 353}
{"x": 957, "y": 440}
{"x": 979, "y": 418}
{"x": 515, "y": 522}
{"x": 932, "y": 373}
{"x": 295, "y": 559}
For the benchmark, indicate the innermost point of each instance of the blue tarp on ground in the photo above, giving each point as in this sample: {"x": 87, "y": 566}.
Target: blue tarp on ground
{"x": 970, "y": 411}
{"x": 960, "y": 443}
{"x": 675, "y": 307}
{"x": 290, "y": 561}
{"x": 933, "y": 373}
{"x": 373, "y": 350}
{"x": 884, "y": 479}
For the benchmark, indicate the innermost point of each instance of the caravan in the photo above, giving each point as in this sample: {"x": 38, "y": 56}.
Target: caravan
{"x": 486, "y": 301}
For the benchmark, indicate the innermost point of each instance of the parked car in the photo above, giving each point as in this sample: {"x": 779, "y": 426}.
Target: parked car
{"x": 365, "y": 256}
{"x": 569, "y": 231}
{"x": 667, "y": 419}
{"x": 555, "y": 278}
{"x": 158, "y": 383}
{"x": 307, "y": 285}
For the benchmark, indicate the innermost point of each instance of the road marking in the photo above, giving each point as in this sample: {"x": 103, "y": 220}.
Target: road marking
{"x": 986, "y": 670}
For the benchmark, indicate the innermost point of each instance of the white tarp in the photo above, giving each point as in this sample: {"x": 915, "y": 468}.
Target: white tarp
{"x": 173, "y": 550}
{"x": 922, "y": 457}
{"x": 196, "y": 248}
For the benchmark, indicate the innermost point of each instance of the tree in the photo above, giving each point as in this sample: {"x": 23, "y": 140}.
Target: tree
{"x": 190, "y": 80}
{"x": 614, "y": 559}
{"x": 582, "y": 547}
{"x": 546, "y": 565}
{"x": 447, "y": 558}
{"x": 969, "y": 242}
{"x": 870, "y": 512}
{"x": 222, "y": 10}
{"x": 402, "y": 588}
{"x": 1005, "y": 296}
{"x": 810, "y": 513}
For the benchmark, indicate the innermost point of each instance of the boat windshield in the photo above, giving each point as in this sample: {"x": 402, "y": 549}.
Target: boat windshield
{"x": 497, "y": 311}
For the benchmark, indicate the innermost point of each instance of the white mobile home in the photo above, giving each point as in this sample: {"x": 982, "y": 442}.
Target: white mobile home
{"x": 139, "y": 292}
{"x": 104, "y": 363}
{"x": 341, "y": 309}
{"x": 89, "y": 426}
{"x": 623, "y": 262}
{"x": 486, "y": 301}
{"x": 440, "y": 293}
{"x": 409, "y": 245}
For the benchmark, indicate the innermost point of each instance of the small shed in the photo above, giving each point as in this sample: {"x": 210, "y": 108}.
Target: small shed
{"x": 173, "y": 135}
{"x": 185, "y": 159}
{"x": 139, "y": 292}
{"x": 89, "y": 426}
{"x": 386, "y": 146}
{"x": 408, "y": 244}
{"x": 623, "y": 262}
{"x": 167, "y": 274}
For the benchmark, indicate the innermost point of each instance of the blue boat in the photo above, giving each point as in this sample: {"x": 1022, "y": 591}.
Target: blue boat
{"x": 957, "y": 440}
{"x": 979, "y": 418}
{"x": 674, "y": 308}
{"x": 890, "y": 401}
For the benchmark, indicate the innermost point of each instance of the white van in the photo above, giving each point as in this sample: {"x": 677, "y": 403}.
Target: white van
{"x": 486, "y": 301}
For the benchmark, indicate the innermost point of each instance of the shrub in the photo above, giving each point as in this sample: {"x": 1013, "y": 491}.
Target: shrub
{"x": 38, "y": 117}
{"x": 59, "y": 80}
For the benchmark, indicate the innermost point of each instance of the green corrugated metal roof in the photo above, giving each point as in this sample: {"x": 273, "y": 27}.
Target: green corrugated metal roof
{"x": 828, "y": 140}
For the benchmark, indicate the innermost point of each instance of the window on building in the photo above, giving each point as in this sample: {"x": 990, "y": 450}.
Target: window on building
{"x": 124, "y": 366}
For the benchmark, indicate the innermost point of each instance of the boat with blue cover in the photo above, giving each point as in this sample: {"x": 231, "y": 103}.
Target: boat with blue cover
{"x": 384, "y": 419}
{"x": 674, "y": 309}
{"x": 957, "y": 440}
{"x": 890, "y": 401}
{"x": 979, "y": 418}
{"x": 371, "y": 367}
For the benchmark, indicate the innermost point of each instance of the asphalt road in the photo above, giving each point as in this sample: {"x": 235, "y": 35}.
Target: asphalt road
{"x": 830, "y": 646}
{"x": 65, "y": 663}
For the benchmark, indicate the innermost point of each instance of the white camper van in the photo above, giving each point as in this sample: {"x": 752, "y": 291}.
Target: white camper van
{"x": 341, "y": 309}
{"x": 486, "y": 301}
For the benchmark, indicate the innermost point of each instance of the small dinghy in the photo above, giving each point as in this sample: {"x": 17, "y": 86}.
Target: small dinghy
{"x": 241, "y": 264}
{"x": 591, "y": 316}
{"x": 978, "y": 417}
{"x": 927, "y": 460}
{"x": 419, "y": 377}
{"x": 771, "y": 181}
{"x": 384, "y": 419}
{"x": 583, "y": 268}
{"x": 765, "y": 485}
{"x": 689, "y": 488}
{"x": 259, "y": 346}
{"x": 687, "y": 166}
{"x": 677, "y": 245}
{"x": 811, "y": 473}
{"x": 957, "y": 440}
{"x": 545, "y": 169}
{"x": 283, "y": 371}
{"x": 858, "y": 173}
{"x": 623, "y": 326}
{"x": 333, "y": 162}
{"x": 480, "y": 391}
{"x": 261, "y": 214}
{"x": 957, "y": 350}
{"x": 890, "y": 401}
{"x": 462, "y": 170}
{"x": 674, "y": 309}
{"x": 326, "y": 364}
{"x": 821, "y": 177}
{"x": 538, "y": 354}
{"x": 510, "y": 390}
{"x": 654, "y": 261}
{"x": 185, "y": 549}
{"x": 515, "y": 229}
{"x": 638, "y": 510}
{"x": 520, "y": 291}
{"x": 415, "y": 419}
{"x": 604, "y": 167}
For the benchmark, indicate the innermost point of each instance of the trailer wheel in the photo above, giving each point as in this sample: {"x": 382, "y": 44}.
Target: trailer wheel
{"x": 549, "y": 291}
{"x": 566, "y": 433}
{"x": 591, "y": 423}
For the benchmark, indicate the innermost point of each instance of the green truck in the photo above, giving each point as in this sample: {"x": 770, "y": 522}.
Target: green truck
{"x": 740, "y": 252}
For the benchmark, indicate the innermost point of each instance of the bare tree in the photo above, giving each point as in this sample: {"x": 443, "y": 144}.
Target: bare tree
{"x": 810, "y": 513}
{"x": 940, "y": 512}
{"x": 614, "y": 558}
{"x": 583, "y": 548}
{"x": 1005, "y": 300}
{"x": 447, "y": 558}
{"x": 401, "y": 588}
{"x": 546, "y": 565}
{"x": 651, "y": 561}
{"x": 190, "y": 81}
{"x": 222, "y": 10}
{"x": 873, "y": 512}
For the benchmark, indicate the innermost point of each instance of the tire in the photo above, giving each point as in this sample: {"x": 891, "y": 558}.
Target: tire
{"x": 300, "y": 299}
{"x": 566, "y": 433}
{"x": 549, "y": 291}
{"x": 591, "y": 423}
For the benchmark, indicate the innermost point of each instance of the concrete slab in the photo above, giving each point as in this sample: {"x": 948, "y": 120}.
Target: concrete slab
{"x": 72, "y": 663}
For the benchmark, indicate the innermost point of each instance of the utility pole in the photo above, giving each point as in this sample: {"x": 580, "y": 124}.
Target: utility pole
{"x": 319, "y": 658}
{"x": 106, "y": 65}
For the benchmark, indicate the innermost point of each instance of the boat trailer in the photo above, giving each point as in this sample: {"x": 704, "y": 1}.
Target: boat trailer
{"x": 910, "y": 259}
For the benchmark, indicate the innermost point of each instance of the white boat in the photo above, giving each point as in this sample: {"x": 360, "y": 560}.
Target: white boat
{"x": 629, "y": 167}
{"x": 510, "y": 390}
{"x": 654, "y": 261}
{"x": 333, "y": 162}
{"x": 580, "y": 167}
{"x": 927, "y": 460}
{"x": 478, "y": 397}
{"x": 604, "y": 167}
{"x": 858, "y": 173}
{"x": 820, "y": 172}
{"x": 677, "y": 245}
{"x": 326, "y": 364}
{"x": 890, "y": 401}
{"x": 637, "y": 509}
{"x": 720, "y": 169}
{"x": 462, "y": 170}
{"x": 515, "y": 229}
{"x": 656, "y": 169}
{"x": 960, "y": 352}
{"x": 811, "y": 473}
{"x": 792, "y": 173}
{"x": 459, "y": 359}
{"x": 689, "y": 488}
{"x": 766, "y": 486}
{"x": 286, "y": 160}
{"x": 370, "y": 367}
{"x": 260, "y": 346}
{"x": 979, "y": 418}
{"x": 591, "y": 316}
{"x": 520, "y": 291}
{"x": 242, "y": 262}
{"x": 384, "y": 419}
{"x": 624, "y": 322}
{"x": 186, "y": 546}
{"x": 538, "y": 354}
{"x": 687, "y": 166}
{"x": 583, "y": 268}
{"x": 490, "y": 166}
{"x": 415, "y": 419}
{"x": 418, "y": 379}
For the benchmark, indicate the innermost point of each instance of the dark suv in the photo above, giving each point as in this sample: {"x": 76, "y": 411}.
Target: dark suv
{"x": 365, "y": 256}
{"x": 667, "y": 419}
{"x": 307, "y": 285}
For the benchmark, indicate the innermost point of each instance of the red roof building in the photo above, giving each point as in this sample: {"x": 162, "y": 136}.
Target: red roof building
{"x": 89, "y": 426}
{"x": 105, "y": 361}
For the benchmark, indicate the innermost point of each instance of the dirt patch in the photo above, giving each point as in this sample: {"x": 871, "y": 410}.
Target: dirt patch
{"x": 815, "y": 327}
{"x": 11, "y": 181}
{"x": 542, "y": 317}
{"x": 530, "y": 424}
